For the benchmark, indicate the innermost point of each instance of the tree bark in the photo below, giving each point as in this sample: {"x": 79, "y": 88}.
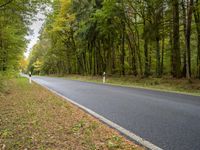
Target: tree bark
{"x": 158, "y": 66}
{"x": 146, "y": 53}
{"x": 176, "y": 40}
{"x": 188, "y": 35}
{"x": 197, "y": 22}
{"x": 123, "y": 49}
{"x": 184, "y": 25}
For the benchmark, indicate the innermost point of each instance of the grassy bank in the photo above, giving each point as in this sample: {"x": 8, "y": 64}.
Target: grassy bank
{"x": 163, "y": 84}
{"x": 34, "y": 118}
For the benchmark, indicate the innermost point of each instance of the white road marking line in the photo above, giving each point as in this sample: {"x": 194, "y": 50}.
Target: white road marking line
{"x": 124, "y": 131}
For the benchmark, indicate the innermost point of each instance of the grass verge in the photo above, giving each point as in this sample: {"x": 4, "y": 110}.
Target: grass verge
{"x": 31, "y": 117}
{"x": 162, "y": 84}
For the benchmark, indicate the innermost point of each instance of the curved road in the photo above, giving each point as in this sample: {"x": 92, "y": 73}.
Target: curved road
{"x": 170, "y": 121}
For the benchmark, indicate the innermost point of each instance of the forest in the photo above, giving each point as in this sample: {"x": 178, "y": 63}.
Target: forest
{"x": 120, "y": 37}
{"x": 15, "y": 17}
{"x": 99, "y": 74}
{"x": 123, "y": 37}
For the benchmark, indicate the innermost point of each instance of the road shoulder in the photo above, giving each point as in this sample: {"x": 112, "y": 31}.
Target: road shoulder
{"x": 34, "y": 118}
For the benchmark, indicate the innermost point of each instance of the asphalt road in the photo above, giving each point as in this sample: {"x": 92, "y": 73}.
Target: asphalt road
{"x": 170, "y": 121}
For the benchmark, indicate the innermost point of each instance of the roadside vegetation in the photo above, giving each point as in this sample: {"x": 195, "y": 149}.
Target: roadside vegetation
{"x": 162, "y": 84}
{"x": 33, "y": 118}
{"x": 4, "y": 79}
{"x": 153, "y": 38}
{"x": 151, "y": 44}
{"x": 15, "y": 17}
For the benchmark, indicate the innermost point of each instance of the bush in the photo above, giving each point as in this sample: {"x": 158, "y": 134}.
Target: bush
{"x": 1, "y": 82}
{"x": 11, "y": 73}
{"x": 4, "y": 77}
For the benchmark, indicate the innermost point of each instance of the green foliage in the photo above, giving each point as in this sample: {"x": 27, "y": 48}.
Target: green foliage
{"x": 119, "y": 37}
{"x": 1, "y": 82}
{"x": 14, "y": 21}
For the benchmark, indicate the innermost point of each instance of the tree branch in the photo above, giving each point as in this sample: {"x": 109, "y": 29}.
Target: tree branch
{"x": 8, "y": 2}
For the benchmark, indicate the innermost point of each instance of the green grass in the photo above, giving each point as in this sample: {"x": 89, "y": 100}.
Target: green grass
{"x": 162, "y": 84}
{"x": 31, "y": 117}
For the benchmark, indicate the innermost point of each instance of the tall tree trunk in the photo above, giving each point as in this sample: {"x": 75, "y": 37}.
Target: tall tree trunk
{"x": 79, "y": 62}
{"x": 183, "y": 4}
{"x": 95, "y": 59}
{"x": 109, "y": 55}
{"x": 172, "y": 50}
{"x": 176, "y": 40}
{"x": 133, "y": 57}
{"x": 90, "y": 57}
{"x": 123, "y": 49}
{"x": 162, "y": 54}
{"x": 137, "y": 44}
{"x": 158, "y": 66}
{"x": 113, "y": 57}
{"x": 197, "y": 22}
{"x": 132, "y": 46}
{"x": 146, "y": 53}
{"x": 188, "y": 35}
{"x": 1, "y": 53}
{"x": 163, "y": 40}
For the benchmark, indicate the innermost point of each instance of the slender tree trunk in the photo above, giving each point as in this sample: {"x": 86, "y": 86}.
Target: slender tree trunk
{"x": 84, "y": 62}
{"x": 188, "y": 35}
{"x": 163, "y": 40}
{"x": 101, "y": 62}
{"x": 95, "y": 59}
{"x": 133, "y": 57}
{"x": 1, "y": 49}
{"x": 79, "y": 63}
{"x": 113, "y": 57}
{"x": 4, "y": 53}
{"x": 123, "y": 50}
{"x": 109, "y": 55}
{"x": 146, "y": 53}
{"x": 176, "y": 40}
{"x": 137, "y": 44}
{"x": 132, "y": 46}
{"x": 90, "y": 57}
{"x": 172, "y": 50}
{"x": 150, "y": 58}
{"x": 162, "y": 54}
{"x": 183, "y": 3}
{"x": 158, "y": 68}
{"x": 197, "y": 22}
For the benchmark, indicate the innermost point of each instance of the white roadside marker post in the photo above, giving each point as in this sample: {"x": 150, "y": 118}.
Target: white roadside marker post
{"x": 104, "y": 77}
{"x": 30, "y": 81}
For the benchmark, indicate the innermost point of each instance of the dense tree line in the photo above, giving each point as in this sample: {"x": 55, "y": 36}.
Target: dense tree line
{"x": 15, "y": 16}
{"x": 123, "y": 37}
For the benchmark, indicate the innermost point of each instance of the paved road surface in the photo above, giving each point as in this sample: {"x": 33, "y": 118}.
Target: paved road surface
{"x": 170, "y": 121}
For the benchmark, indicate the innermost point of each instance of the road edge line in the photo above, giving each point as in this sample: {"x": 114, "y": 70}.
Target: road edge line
{"x": 124, "y": 131}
